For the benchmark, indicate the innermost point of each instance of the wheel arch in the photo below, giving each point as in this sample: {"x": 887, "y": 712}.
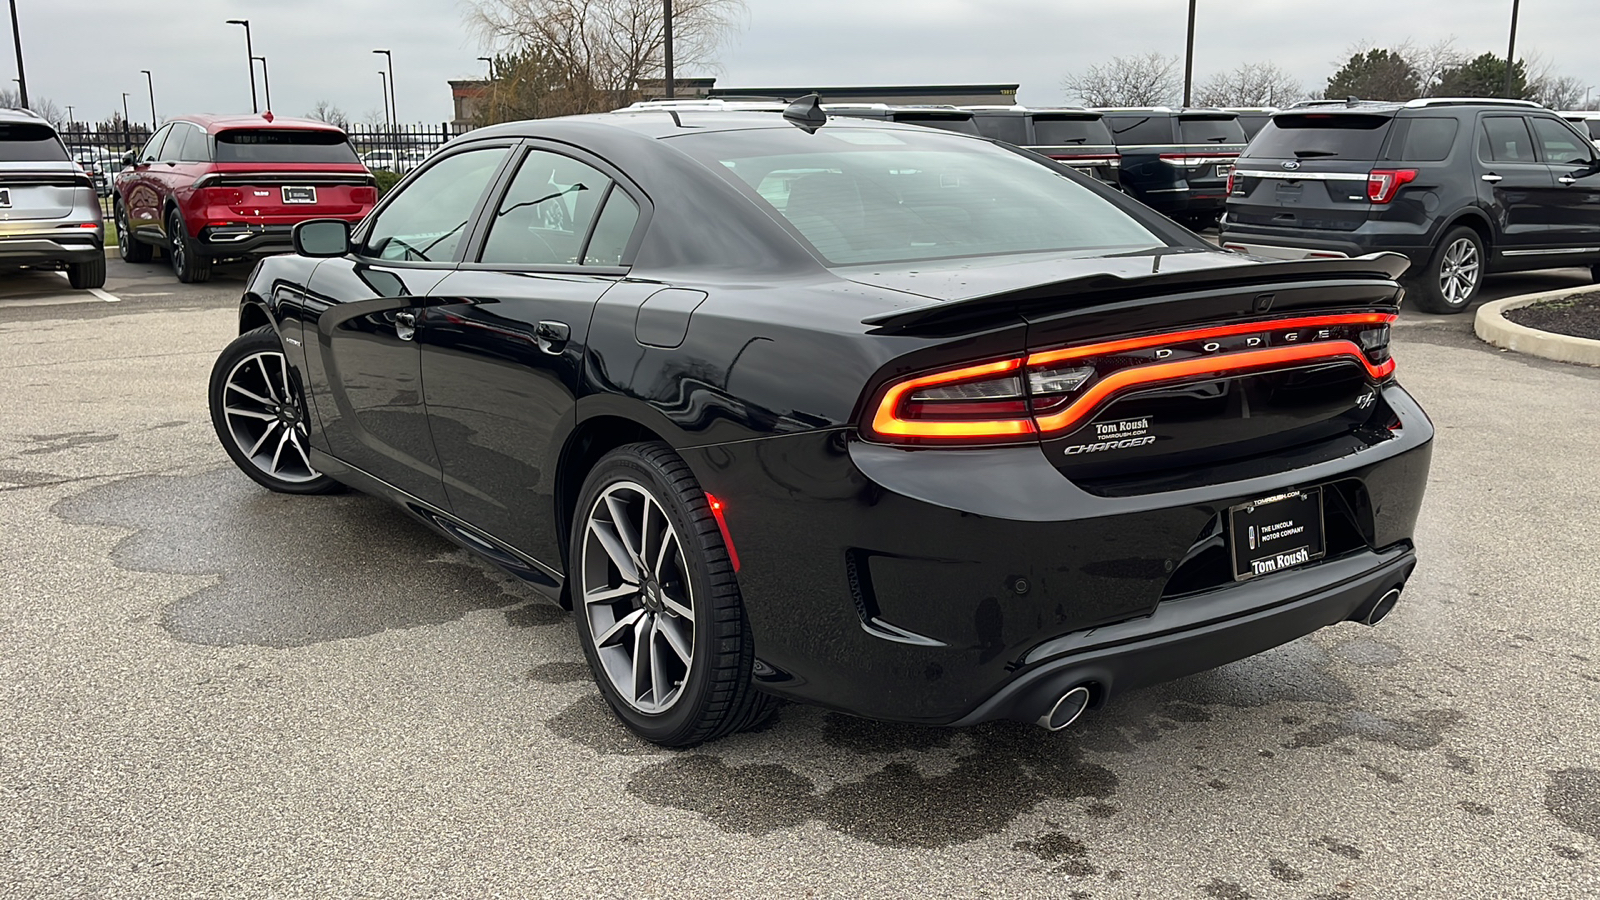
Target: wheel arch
{"x": 253, "y": 314}
{"x": 1471, "y": 218}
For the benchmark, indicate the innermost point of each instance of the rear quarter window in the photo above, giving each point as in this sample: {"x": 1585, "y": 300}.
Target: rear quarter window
{"x": 1324, "y": 135}
{"x": 283, "y": 145}
{"x": 1140, "y": 129}
{"x": 1425, "y": 138}
{"x": 1210, "y": 130}
{"x": 27, "y": 142}
{"x": 1063, "y": 130}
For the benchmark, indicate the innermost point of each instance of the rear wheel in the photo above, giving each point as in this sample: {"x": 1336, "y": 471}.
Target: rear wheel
{"x": 91, "y": 274}
{"x": 189, "y": 262}
{"x": 130, "y": 248}
{"x": 261, "y": 417}
{"x": 658, "y": 610}
{"x": 1454, "y": 275}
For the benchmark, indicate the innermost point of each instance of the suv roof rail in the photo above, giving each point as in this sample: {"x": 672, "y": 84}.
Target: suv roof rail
{"x": 1160, "y": 109}
{"x": 1424, "y": 102}
{"x": 705, "y": 103}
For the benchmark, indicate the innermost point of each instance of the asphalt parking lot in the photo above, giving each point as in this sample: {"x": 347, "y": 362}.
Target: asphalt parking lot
{"x": 209, "y": 690}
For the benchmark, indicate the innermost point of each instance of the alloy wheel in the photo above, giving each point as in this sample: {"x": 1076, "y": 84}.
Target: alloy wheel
{"x": 122, "y": 232}
{"x": 266, "y": 418}
{"x": 176, "y": 247}
{"x": 1459, "y": 271}
{"x": 635, "y": 591}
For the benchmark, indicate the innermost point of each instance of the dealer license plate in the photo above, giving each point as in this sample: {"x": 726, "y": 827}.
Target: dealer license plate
{"x": 1276, "y": 533}
{"x": 301, "y": 194}
{"x": 5, "y": 198}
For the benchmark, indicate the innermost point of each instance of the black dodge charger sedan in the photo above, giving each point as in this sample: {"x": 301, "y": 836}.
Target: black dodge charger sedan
{"x": 900, "y": 422}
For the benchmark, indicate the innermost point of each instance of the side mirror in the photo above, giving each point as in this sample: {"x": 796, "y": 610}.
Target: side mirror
{"x": 130, "y": 158}
{"x": 321, "y": 238}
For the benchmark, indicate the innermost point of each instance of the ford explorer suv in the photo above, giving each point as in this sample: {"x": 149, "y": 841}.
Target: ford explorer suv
{"x": 49, "y": 214}
{"x": 1072, "y": 135}
{"x": 1177, "y": 160}
{"x": 1462, "y": 187}
{"x": 944, "y": 118}
{"x": 211, "y": 188}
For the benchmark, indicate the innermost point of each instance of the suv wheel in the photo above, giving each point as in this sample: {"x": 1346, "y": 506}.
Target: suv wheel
{"x": 189, "y": 263}
{"x": 130, "y": 248}
{"x": 1453, "y": 277}
{"x": 91, "y": 274}
{"x": 658, "y": 610}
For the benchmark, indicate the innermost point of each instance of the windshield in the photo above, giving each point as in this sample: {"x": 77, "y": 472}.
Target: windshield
{"x": 863, "y": 195}
{"x": 27, "y": 142}
{"x": 284, "y": 145}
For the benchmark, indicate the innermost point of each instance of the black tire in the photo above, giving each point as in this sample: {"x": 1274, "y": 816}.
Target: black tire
{"x": 189, "y": 262}
{"x": 1594, "y": 272}
{"x": 85, "y": 275}
{"x": 714, "y": 696}
{"x": 1446, "y": 284}
{"x": 251, "y": 358}
{"x": 130, "y": 248}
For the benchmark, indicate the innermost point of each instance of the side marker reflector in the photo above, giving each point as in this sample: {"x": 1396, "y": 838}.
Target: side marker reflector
{"x": 722, "y": 525}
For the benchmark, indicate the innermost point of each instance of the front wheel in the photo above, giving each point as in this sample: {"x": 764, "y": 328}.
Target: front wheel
{"x": 261, "y": 417}
{"x": 1452, "y": 278}
{"x": 658, "y": 610}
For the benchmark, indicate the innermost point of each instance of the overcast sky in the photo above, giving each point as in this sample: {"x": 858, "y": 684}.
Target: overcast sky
{"x": 87, "y": 54}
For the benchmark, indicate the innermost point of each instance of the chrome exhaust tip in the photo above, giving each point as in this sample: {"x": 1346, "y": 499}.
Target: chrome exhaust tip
{"x": 1067, "y": 709}
{"x": 1383, "y": 607}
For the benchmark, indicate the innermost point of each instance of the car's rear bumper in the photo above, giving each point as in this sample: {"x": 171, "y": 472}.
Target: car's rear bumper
{"x": 246, "y": 240}
{"x": 945, "y": 587}
{"x": 81, "y": 246}
{"x": 1181, "y": 199}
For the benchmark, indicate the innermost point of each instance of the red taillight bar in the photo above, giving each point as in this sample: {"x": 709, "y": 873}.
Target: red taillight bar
{"x": 1200, "y": 334}
{"x": 1274, "y": 357}
{"x": 1384, "y": 184}
{"x": 887, "y": 422}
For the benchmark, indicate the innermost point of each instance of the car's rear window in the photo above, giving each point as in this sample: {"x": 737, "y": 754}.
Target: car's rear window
{"x": 1210, "y": 130}
{"x": 26, "y": 142}
{"x": 284, "y": 145}
{"x": 1322, "y": 135}
{"x": 865, "y": 195}
{"x": 1013, "y": 129}
{"x": 1137, "y": 129}
{"x": 958, "y": 124}
{"x": 1054, "y": 131}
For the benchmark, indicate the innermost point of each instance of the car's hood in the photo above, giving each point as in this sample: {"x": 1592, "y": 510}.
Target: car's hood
{"x": 963, "y": 279}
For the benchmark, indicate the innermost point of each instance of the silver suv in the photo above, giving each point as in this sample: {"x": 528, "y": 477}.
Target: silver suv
{"x": 49, "y": 213}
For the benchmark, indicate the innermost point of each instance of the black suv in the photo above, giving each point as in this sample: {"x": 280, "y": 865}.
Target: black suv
{"x": 1075, "y": 136}
{"x": 1461, "y": 187}
{"x": 1177, "y": 160}
{"x": 945, "y": 118}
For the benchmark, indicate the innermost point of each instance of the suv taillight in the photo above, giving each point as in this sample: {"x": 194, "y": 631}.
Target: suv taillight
{"x": 1384, "y": 184}
{"x": 1053, "y": 392}
{"x": 1233, "y": 174}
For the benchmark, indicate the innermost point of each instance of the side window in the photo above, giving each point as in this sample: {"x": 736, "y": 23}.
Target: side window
{"x": 425, "y": 221}
{"x": 1505, "y": 139}
{"x": 1429, "y": 139}
{"x": 1594, "y": 128}
{"x": 545, "y": 214}
{"x": 612, "y": 230}
{"x": 152, "y": 147}
{"x": 172, "y": 148}
{"x": 196, "y": 147}
{"x": 1559, "y": 144}
{"x": 1133, "y": 130}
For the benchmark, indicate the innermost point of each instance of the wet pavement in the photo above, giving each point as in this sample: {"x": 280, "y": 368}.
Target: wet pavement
{"x": 210, "y": 690}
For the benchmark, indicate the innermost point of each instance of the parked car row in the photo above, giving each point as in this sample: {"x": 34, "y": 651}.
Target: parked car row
{"x": 49, "y": 210}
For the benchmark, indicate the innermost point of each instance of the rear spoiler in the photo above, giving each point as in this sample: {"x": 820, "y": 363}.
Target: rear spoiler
{"x": 1102, "y": 287}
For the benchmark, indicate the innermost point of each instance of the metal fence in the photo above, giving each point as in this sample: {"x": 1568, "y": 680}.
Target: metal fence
{"x": 382, "y": 148}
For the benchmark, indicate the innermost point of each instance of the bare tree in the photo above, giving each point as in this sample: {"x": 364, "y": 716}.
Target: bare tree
{"x": 1148, "y": 80}
{"x": 42, "y": 107}
{"x": 1432, "y": 62}
{"x": 1559, "y": 91}
{"x": 597, "y": 53}
{"x": 1251, "y": 84}
{"x": 327, "y": 112}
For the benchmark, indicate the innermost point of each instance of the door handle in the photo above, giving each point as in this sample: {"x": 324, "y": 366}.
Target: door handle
{"x": 1567, "y": 179}
{"x": 552, "y": 336}
{"x": 1492, "y": 178}
{"x": 405, "y": 325}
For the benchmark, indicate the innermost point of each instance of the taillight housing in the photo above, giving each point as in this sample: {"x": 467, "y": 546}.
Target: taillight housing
{"x": 363, "y": 195}
{"x": 1233, "y": 175}
{"x": 1384, "y": 184}
{"x": 1056, "y": 391}
{"x": 221, "y": 196}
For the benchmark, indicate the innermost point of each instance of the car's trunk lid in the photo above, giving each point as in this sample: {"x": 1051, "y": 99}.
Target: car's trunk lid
{"x": 1309, "y": 171}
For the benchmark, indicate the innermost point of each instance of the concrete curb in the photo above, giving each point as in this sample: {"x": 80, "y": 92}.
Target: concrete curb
{"x": 1492, "y": 326}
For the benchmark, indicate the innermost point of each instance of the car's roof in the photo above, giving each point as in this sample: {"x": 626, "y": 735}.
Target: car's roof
{"x": 215, "y": 123}
{"x": 8, "y": 114}
{"x": 659, "y": 122}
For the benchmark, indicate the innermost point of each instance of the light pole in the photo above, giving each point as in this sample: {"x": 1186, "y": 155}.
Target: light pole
{"x": 491, "y": 65}
{"x": 266, "y": 82}
{"x": 69, "y": 112}
{"x": 150, "y": 81}
{"x": 383, "y": 81}
{"x": 22, "y": 77}
{"x": 250, "y": 56}
{"x": 666, "y": 47}
{"x": 394, "y": 112}
{"x": 1511, "y": 50}
{"x": 1188, "y": 58}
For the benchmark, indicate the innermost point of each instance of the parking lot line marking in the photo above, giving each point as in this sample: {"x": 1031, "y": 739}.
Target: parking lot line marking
{"x": 151, "y": 294}
{"x": 107, "y": 297}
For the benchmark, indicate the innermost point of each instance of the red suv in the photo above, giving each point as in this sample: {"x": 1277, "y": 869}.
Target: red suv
{"x": 209, "y": 188}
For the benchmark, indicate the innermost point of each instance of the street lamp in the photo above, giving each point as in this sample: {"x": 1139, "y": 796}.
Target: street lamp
{"x": 250, "y": 56}
{"x": 1511, "y": 51}
{"x": 1188, "y": 59}
{"x": 394, "y": 112}
{"x": 22, "y": 77}
{"x": 150, "y": 81}
{"x": 69, "y": 113}
{"x": 666, "y": 47}
{"x": 266, "y": 82}
{"x": 383, "y": 81}
{"x": 490, "y": 61}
